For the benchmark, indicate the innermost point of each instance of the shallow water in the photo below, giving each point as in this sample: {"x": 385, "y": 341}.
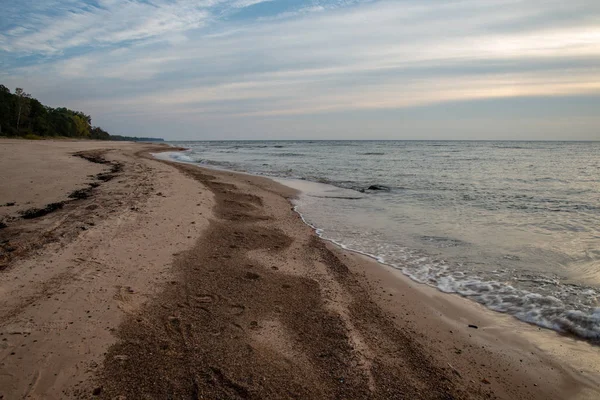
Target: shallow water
{"x": 512, "y": 225}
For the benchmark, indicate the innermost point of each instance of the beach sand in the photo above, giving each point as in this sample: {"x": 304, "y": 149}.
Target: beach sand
{"x": 167, "y": 280}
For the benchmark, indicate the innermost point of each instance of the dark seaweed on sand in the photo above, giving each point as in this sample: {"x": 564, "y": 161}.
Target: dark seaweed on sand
{"x": 40, "y": 212}
{"x": 81, "y": 193}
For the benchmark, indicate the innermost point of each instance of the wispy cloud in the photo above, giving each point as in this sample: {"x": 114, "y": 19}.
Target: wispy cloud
{"x": 61, "y": 26}
{"x": 217, "y": 60}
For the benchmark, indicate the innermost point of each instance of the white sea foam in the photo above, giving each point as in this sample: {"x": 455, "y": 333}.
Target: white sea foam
{"x": 174, "y": 156}
{"x": 546, "y": 311}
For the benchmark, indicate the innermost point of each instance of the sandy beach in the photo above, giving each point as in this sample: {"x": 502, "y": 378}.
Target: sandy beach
{"x": 127, "y": 277}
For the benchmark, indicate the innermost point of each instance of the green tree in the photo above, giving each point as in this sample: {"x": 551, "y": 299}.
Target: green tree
{"x": 5, "y": 107}
{"x": 61, "y": 122}
{"x": 99, "y": 134}
{"x": 82, "y": 127}
{"x": 21, "y": 114}
{"x": 23, "y": 100}
{"x": 38, "y": 119}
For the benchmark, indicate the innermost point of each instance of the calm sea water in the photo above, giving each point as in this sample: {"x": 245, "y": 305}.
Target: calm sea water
{"x": 512, "y": 225}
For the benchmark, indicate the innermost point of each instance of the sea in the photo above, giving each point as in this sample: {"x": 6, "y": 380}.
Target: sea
{"x": 514, "y": 226}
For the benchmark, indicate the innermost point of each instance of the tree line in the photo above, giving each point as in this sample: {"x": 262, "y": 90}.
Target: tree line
{"x": 24, "y": 116}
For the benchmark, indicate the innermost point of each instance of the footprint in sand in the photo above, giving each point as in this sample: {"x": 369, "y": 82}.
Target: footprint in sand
{"x": 237, "y": 309}
{"x": 124, "y": 298}
{"x": 204, "y": 299}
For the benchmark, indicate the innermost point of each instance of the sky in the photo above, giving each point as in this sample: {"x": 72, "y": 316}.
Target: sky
{"x": 312, "y": 69}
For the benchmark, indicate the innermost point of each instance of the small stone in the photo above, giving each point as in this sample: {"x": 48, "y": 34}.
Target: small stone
{"x": 97, "y": 391}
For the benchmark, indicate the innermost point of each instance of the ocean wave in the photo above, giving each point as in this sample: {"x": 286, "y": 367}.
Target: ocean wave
{"x": 192, "y": 158}
{"x": 337, "y": 197}
{"x": 440, "y": 241}
{"x": 551, "y": 311}
{"x": 287, "y": 154}
{"x": 183, "y": 157}
{"x": 247, "y": 146}
{"x": 544, "y": 310}
{"x": 547, "y": 311}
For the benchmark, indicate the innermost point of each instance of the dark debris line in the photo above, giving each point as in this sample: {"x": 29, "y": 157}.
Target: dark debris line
{"x": 79, "y": 194}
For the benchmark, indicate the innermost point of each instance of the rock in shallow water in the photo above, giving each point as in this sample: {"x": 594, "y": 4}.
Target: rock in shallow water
{"x": 379, "y": 187}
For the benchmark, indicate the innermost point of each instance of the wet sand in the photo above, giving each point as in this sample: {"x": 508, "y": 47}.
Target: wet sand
{"x": 172, "y": 281}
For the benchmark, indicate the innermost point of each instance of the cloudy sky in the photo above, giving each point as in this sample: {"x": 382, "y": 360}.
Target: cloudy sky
{"x": 312, "y": 69}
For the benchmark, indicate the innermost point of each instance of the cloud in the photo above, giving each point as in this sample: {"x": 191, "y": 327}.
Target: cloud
{"x": 247, "y": 3}
{"x": 189, "y": 61}
{"x": 294, "y": 97}
{"x": 108, "y": 22}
